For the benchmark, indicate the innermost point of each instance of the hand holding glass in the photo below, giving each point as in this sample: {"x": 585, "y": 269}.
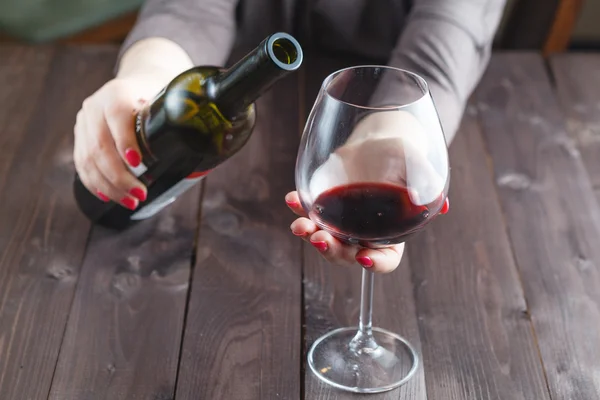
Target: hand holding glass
{"x": 372, "y": 170}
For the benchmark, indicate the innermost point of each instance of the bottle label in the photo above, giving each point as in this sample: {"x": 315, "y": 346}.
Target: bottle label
{"x": 168, "y": 196}
{"x": 141, "y": 140}
{"x": 139, "y": 170}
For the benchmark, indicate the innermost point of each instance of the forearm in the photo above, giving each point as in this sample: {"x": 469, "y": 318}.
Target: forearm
{"x": 449, "y": 43}
{"x": 173, "y": 35}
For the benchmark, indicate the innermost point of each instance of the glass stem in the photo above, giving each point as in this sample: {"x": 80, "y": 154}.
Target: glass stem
{"x": 363, "y": 341}
{"x": 365, "y": 323}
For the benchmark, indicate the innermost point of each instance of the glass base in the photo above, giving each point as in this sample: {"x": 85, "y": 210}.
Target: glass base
{"x": 346, "y": 360}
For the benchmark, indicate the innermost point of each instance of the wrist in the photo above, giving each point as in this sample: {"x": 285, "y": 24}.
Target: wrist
{"x": 157, "y": 59}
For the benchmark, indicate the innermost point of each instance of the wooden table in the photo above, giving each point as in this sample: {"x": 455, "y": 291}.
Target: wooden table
{"x": 216, "y": 299}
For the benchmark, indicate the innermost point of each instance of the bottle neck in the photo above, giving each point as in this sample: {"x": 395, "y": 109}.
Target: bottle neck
{"x": 239, "y": 86}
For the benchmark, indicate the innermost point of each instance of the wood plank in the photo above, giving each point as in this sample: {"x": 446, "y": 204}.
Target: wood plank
{"x": 473, "y": 319}
{"x": 577, "y": 79}
{"x": 124, "y": 332}
{"x": 42, "y": 234}
{"x": 552, "y": 217}
{"x": 332, "y": 293}
{"x": 22, "y": 73}
{"x": 243, "y": 331}
{"x": 565, "y": 19}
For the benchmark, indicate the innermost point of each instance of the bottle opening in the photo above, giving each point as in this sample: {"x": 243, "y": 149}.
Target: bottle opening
{"x": 285, "y": 51}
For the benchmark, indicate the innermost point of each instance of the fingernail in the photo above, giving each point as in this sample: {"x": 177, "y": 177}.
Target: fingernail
{"x": 299, "y": 233}
{"x": 445, "y": 207}
{"x": 321, "y": 246}
{"x": 102, "y": 196}
{"x": 138, "y": 193}
{"x": 365, "y": 261}
{"x": 292, "y": 204}
{"x": 129, "y": 203}
{"x": 133, "y": 157}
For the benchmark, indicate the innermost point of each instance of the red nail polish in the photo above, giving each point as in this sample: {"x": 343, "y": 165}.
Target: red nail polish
{"x": 133, "y": 157}
{"x": 129, "y": 203}
{"x": 321, "y": 246}
{"x": 445, "y": 207}
{"x": 365, "y": 261}
{"x": 102, "y": 196}
{"x": 299, "y": 233}
{"x": 292, "y": 204}
{"x": 138, "y": 193}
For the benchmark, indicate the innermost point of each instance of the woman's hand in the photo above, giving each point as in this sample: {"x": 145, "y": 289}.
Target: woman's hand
{"x": 377, "y": 260}
{"x": 105, "y": 140}
{"x": 105, "y": 144}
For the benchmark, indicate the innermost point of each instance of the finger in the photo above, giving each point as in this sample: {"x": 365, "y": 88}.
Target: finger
{"x": 95, "y": 182}
{"x": 381, "y": 260}
{"x": 293, "y": 202}
{"x": 125, "y": 186}
{"x": 332, "y": 249}
{"x": 79, "y": 158}
{"x": 88, "y": 177}
{"x": 90, "y": 174}
{"x": 120, "y": 118}
{"x": 109, "y": 163}
{"x": 303, "y": 228}
{"x": 84, "y": 163}
{"x": 106, "y": 191}
{"x": 446, "y": 206}
{"x": 424, "y": 181}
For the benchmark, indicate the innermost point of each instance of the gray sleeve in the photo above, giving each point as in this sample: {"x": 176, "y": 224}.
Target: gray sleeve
{"x": 205, "y": 29}
{"x": 449, "y": 44}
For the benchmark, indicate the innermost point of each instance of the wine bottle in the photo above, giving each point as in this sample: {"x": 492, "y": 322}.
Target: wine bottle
{"x": 195, "y": 123}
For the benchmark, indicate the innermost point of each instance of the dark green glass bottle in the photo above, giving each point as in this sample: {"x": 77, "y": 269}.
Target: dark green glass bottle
{"x": 199, "y": 120}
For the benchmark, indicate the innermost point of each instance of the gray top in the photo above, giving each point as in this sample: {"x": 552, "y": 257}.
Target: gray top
{"x": 447, "y": 42}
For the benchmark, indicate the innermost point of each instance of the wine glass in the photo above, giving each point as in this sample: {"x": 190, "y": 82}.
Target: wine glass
{"x": 372, "y": 169}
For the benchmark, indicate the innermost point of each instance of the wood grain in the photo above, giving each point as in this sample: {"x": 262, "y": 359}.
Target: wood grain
{"x": 124, "y": 331}
{"x": 42, "y": 234}
{"x": 332, "y": 293}
{"x": 552, "y": 216}
{"x": 22, "y": 75}
{"x": 243, "y": 332}
{"x": 473, "y": 319}
{"x": 577, "y": 78}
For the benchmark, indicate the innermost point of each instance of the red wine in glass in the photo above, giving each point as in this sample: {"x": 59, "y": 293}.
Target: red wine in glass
{"x": 373, "y": 214}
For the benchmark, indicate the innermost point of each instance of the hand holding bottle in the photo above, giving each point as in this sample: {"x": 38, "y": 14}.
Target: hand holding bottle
{"x": 105, "y": 140}
{"x": 147, "y": 137}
